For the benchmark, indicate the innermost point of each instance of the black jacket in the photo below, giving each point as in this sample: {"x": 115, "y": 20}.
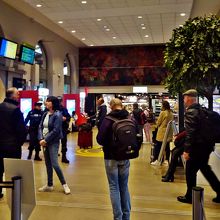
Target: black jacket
{"x": 104, "y": 136}
{"x": 34, "y": 116}
{"x": 102, "y": 111}
{"x": 195, "y": 144}
{"x": 137, "y": 116}
{"x": 65, "y": 113}
{"x": 12, "y": 127}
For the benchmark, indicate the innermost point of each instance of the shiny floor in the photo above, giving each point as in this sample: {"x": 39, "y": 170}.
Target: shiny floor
{"x": 89, "y": 199}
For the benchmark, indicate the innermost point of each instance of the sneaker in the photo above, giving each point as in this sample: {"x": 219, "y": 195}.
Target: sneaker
{"x": 46, "y": 188}
{"x": 66, "y": 189}
{"x": 155, "y": 163}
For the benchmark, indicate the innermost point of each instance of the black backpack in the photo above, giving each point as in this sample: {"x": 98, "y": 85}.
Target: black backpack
{"x": 210, "y": 125}
{"x": 126, "y": 141}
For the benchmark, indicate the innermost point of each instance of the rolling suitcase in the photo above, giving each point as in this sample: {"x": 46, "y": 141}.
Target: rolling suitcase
{"x": 85, "y": 136}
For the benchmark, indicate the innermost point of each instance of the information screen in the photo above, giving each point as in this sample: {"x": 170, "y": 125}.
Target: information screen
{"x": 71, "y": 105}
{"x": 8, "y": 49}
{"x": 27, "y": 54}
{"x": 25, "y": 106}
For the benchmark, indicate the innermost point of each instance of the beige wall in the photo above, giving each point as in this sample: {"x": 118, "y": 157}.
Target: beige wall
{"x": 21, "y": 28}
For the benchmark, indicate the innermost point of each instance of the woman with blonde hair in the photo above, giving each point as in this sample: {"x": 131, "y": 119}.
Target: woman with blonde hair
{"x": 165, "y": 116}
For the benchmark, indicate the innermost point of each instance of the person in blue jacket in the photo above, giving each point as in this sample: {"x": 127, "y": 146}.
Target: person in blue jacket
{"x": 50, "y": 134}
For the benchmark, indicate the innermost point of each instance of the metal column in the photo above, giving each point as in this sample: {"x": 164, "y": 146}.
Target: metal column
{"x": 16, "y": 199}
{"x": 198, "y": 198}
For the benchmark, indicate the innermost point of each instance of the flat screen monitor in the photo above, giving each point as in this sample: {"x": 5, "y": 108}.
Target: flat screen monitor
{"x": 71, "y": 105}
{"x": 27, "y": 54}
{"x": 8, "y": 49}
{"x": 25, "y": 106}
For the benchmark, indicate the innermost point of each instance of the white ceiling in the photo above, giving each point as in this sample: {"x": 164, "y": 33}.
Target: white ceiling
{"x": 159, "y": 17}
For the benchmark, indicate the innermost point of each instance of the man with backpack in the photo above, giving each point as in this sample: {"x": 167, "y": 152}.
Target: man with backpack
{"x": 119, "y": 137}
{"x": 197, "y": 148}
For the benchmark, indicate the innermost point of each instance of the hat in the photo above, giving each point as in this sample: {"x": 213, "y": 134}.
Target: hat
{"x": 37, "y": 104}
{"x": 191, "y": 92}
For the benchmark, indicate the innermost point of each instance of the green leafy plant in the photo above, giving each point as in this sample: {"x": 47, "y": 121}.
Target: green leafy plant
{"x": 192, "y": 57}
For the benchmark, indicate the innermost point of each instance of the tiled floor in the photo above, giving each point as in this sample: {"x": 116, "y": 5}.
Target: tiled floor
{"x": 89, "y": 200}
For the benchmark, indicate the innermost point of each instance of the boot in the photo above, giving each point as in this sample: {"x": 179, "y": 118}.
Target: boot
{"x": 64, "y": 159}
{"x": 37, "y": 156}
{"x": 168, "y": 178}
{"x": 29, "y": 155}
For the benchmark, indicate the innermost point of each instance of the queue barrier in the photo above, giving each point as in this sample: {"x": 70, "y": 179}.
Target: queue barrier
{"x": 15, "y": 185}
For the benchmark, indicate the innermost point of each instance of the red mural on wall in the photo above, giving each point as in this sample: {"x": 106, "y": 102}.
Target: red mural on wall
{"x": 111, "y": 66}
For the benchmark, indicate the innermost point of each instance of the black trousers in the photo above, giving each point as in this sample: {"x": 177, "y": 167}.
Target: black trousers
{"x": 64, "y": 143}
{"x": 12, "y": 154}
{"x": 176, "y": 153}
{"x": 157, "y": 148}
{"x": 34, "y": 142}
{"x": 193, "y": 166}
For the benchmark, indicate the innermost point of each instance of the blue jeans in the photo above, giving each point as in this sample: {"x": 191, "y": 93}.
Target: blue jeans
{"x": 117, "y": 174}
{"x": 51, "y": 161}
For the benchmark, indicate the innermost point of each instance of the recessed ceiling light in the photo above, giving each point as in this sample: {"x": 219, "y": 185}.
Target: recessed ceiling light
{"x": 182, "y": 14}
{"x": 143, "y": 28}
{"x": 83, "y": 2}
{"x": 107, "y": 29}
{"x": 99, "y": 19}
{"x": 38, "y": 5}
{"x": 60, "y": 22}
{"x": 140, "y": 16}
{"x": 91, "y": 45}
{"x": 142, "y": 24}
{"x": 73, "y": 31}
{"x": 83, "y": 38}
{"x": 146, "y": 35}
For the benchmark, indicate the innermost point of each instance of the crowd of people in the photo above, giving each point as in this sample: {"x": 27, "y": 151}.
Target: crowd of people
{"x": 47, "y": 128}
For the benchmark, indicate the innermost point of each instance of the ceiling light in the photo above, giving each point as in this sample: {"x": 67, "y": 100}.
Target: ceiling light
{"x": 73, "y": 31}
{"x": 83, "y": 2}
{"x": 107, "y": 29}
{"x": 99, "y": 19}
{"x": 140, "y": 16}
{"x": 143, "y": 28}
{"x": 142, "y": 24}
{"x": 181, "y": 25}
{"x": 38, "y": 5}
{"x": 114, "y": 37}
{"x": 105, "y": 26}
{"x": 182, "y": 14}
{"x": 83, "y": 38}
{"x": 60, "y": 22}
{"x": 146, "y": 35}
{"x": 91, "y": 45}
